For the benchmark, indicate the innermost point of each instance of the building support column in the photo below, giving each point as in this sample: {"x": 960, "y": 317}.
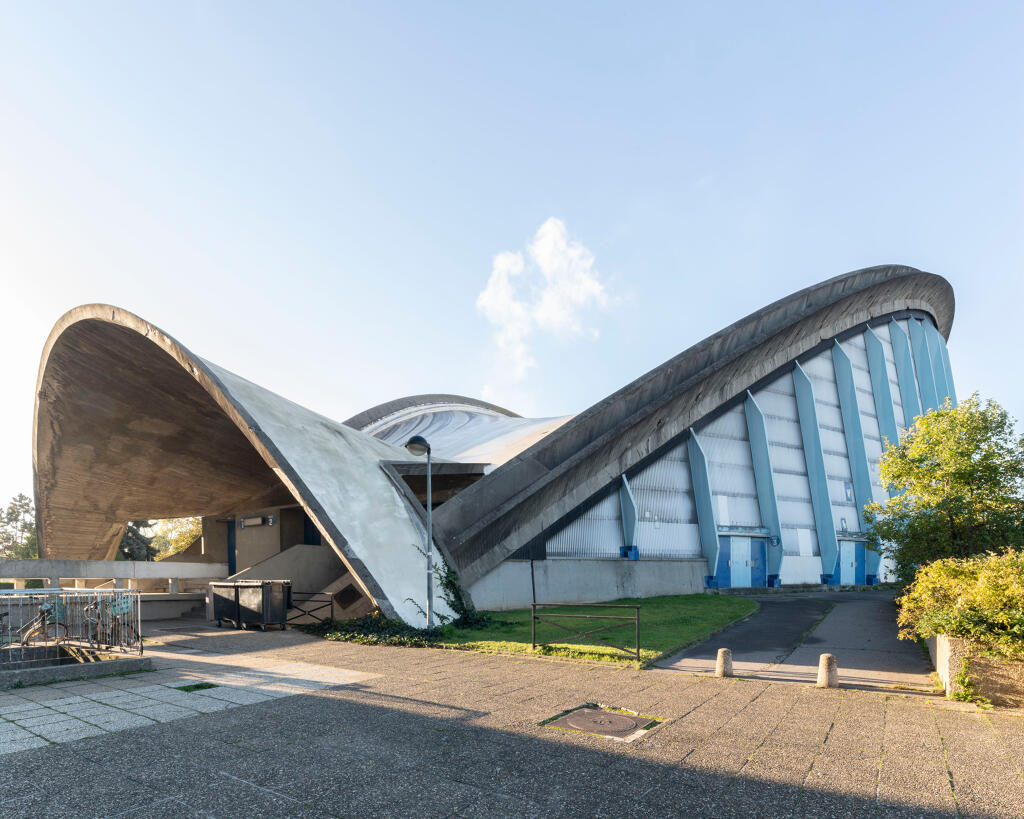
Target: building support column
{"x": 760, "y": 455}
{"x": 628, "y": 514}
{"x": 923, "y": 366}
{"x": 944, "y": 356}
{"x": 706, "y": 522}
{"x": 943, "y": 384}
{"x": 828, "y": 543}
{"x": 905, "y": 374}
{"x": 880, "y": 389}
{"x": 856, "y": 453}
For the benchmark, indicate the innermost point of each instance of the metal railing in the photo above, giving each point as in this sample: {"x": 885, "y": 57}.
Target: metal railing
{"x": 317, "y": 605}
{"x": 620, "y": 621}
{"x": 44, "y": 626}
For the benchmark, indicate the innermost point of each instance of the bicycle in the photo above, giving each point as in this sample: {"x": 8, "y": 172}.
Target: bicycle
{"x": 109, "y": 624}
{"x": 39, "y": 626}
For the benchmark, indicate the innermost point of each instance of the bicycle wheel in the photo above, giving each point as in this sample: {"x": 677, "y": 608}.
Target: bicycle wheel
{"x": 45, "y": 633}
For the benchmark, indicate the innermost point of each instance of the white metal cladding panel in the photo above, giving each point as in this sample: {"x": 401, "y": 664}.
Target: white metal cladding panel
{"x": 882, "y": 331}
{"x": 596, "y": 533}
{"x": 730, "y": 424}
{"x": 856, "y": 349}
{"x": 663, "y": 489}
{"x": 791, "y": 487}
{"x": 799, "y": 540}
{"x": 658, "y": 539}
{"x": 905, "y": 325}
{"x": 786, "y": 458}
{"x": 782, "y": 385}
{"x": 796, "y": 513}
{"x": 730, "y": 469}
{"x": 848, "y": 514}
{"x": 837, "y": 467}
{"x": 830, "y": 417}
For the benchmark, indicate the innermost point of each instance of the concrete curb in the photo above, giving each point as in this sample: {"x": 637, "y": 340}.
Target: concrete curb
{"x": 73, "y": 671}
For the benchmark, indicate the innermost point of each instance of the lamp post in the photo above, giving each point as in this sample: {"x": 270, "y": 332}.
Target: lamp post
{"x": 417, "y": 445}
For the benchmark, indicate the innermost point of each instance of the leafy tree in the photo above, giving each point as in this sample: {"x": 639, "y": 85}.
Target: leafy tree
{"x": 959, "y": 472}
{"x": 18, "y": 539}
{"x": 174, "y": 535}
{"x": 136, "y": 545}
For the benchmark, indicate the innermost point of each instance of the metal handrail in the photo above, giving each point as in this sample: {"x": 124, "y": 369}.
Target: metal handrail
{"x": 621, "y": 621}
{"x": 38, "y": 626}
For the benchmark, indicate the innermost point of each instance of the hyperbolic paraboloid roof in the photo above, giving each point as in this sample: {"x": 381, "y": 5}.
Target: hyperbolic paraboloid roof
{"x": 129, "y": 424}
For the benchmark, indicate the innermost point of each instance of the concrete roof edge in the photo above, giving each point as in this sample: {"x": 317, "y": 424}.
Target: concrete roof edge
{"x": 466, "y": 517}
{"x": 235, "y": 411}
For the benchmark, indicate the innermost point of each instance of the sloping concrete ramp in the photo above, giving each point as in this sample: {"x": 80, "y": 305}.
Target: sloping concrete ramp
{"x": 784, "y": 639}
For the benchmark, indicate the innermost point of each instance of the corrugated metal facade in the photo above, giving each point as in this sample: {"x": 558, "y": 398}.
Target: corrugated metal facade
{"x": 666, "y": 513}
{"x": 731, "y": 470}
{"x": 663, "y": 490}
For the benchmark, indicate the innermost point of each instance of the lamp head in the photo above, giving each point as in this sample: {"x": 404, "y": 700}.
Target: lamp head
{"x": 417, "y": 445}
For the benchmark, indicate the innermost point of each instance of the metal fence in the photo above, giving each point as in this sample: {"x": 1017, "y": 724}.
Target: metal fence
{"x": 43, "y": 626}
{"x": 539, "y": 613}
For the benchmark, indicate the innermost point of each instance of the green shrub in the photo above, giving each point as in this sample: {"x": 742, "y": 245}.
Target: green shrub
{"x": 979, "y": 599}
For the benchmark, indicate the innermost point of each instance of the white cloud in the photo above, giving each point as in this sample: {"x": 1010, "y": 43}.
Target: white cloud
{"x": 549, "y": 290}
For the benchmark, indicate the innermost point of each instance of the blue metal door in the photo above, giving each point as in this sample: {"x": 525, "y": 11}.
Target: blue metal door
{"x": 860, "y": 573}
{"x": 852, "y": 560}
{"x": 722, "y": 578}
{"x": 758, "y": 568}
{"x": 740, "y": 562}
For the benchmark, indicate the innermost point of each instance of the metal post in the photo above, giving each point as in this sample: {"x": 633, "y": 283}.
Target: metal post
{"x": 533, "y": 626}
{"x": 638, "y": 634}
{"x": 430, "y": 550}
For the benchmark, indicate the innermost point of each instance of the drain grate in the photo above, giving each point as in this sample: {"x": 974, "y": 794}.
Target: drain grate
{"x": 603, "y": 721}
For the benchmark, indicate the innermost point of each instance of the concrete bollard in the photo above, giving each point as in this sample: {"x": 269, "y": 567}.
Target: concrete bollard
{"x": 828, "y": 673}
{"x": 723, "y": 667}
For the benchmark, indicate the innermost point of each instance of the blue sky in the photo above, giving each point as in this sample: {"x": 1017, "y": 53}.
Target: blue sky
{"x": 314, "y": 195}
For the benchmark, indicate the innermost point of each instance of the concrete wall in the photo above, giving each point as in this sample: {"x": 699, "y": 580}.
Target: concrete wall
{"x": 310, "y": 568}
{"x": 560, "y": 580}
{"x": 998, "y": 680}
{"x": 254, "y": 544}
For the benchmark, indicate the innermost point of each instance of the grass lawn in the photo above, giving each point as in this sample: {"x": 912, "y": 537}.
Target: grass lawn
{"x": 665, "y": 623}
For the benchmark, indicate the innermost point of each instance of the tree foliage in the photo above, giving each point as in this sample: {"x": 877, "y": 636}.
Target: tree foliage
{"x": 174, "y": 535}
{"x": 958, "y": 475}
{"x": 136, "y": 544}
{"x": 18, "y": 540}
{"x": 980, "y": 599}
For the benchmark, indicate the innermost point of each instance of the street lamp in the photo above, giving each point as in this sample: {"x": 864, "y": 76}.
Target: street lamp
{"x": 417, "y": 445}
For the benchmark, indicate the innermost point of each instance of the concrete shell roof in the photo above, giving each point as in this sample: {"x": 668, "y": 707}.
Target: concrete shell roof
{"x": 458, "y": 428}
{"x": 525, "y": 497}
{"x": 129, "y": 424}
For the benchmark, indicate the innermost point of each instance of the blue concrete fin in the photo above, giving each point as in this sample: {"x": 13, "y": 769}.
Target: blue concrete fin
{"x": 923, "y": 366}
{"x": 757, "y": 434}
{"x": 828, "y": 543}
{"x": 854, "y": 433}
{"x": 940, "y": 363}
{"x": 880, "y": 388}
{"x": 944, "y": 355}
{"x": 707, "y": 525}
{"x": 905, "y": 374}
{"x": 852, "y": 428}
{"x": 629, "y": 516}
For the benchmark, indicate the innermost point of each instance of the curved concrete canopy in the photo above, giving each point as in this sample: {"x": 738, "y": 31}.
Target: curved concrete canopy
{"x": 129, "y": 424}
{"x": 529, "y": 494}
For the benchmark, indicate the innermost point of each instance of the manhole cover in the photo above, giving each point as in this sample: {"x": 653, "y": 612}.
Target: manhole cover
{"x": 601, "y": 722}
{"x": 605, "y": 722}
